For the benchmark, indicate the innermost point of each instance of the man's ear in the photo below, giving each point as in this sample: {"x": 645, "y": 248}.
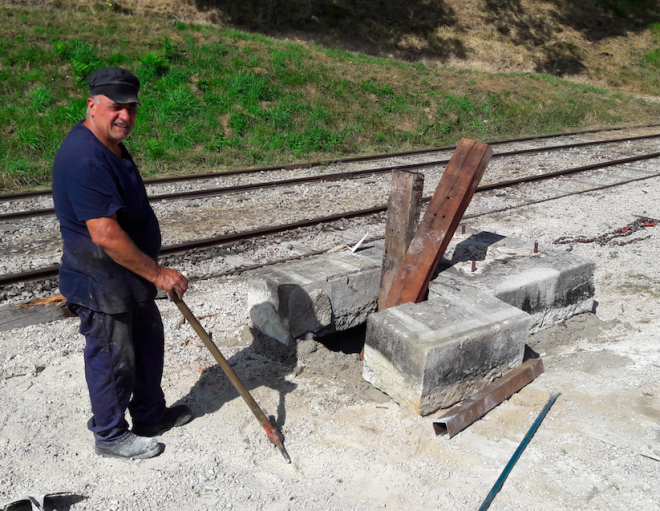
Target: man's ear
{"x": 91, "y": 103}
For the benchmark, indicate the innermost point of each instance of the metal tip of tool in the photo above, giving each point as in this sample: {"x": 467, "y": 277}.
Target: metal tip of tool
{"x": 281, "y": 448}
{"x": 277, "y": 439}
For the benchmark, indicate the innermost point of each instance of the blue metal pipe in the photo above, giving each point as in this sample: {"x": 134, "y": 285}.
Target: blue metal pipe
{"x": 505, "y": 473}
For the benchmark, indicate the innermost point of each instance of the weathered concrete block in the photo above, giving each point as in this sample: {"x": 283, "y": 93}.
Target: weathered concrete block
{"x": 430, "y": 355}
{"x": 322, "y": 295}
{"x": 550, "y": 285}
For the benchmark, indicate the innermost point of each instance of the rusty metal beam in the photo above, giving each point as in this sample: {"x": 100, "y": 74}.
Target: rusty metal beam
{"x": 470, "y": 410}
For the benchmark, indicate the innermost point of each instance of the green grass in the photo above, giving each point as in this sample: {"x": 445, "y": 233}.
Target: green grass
{"x": 653, "y": 58}
{"x": 219, "y": 98}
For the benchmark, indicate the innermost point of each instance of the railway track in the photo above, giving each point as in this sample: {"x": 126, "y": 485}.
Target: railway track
{"x": 563, "y": 187}
{"x": 192, "y": 177}
{"x": 334, "y": 176}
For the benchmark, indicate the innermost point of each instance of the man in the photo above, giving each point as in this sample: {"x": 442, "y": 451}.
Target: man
{"x": 109, "y": 272}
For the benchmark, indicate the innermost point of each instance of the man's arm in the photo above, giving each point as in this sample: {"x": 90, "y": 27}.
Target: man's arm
{"x": 108, "y": 234}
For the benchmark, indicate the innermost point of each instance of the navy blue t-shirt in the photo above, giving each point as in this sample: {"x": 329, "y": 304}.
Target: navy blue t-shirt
{"x": 90, "y": 181}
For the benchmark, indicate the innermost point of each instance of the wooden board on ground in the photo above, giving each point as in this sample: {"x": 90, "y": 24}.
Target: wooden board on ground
{"x": 442, "y": 217}
{"x": 41, "y": 310}
{"x": 403, "y": 210}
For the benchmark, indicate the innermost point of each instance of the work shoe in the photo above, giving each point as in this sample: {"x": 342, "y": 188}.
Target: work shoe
{"x": 173, "y": 418}
{"x": 133, "y": 447}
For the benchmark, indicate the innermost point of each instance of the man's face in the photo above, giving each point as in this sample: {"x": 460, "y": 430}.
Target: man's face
{"x": 114, "y": 121}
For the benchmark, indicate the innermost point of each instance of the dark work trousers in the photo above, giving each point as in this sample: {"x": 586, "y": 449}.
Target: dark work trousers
{"x": 123, "y": 367}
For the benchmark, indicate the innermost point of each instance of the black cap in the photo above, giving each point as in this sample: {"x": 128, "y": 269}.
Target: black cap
{"x": 116, "y": 83}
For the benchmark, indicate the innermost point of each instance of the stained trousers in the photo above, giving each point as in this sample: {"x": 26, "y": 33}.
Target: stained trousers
{"x": 123, "y": 368}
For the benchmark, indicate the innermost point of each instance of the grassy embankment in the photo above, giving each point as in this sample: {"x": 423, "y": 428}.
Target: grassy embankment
{"x": 604, "y": 43}
{"x": 217, "y": 98}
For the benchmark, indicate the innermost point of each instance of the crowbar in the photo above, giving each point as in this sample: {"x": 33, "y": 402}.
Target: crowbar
{"x": 509, "y": 466}
{"x": 273, "y": 435}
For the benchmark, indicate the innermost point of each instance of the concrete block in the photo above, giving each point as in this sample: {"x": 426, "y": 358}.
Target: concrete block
{"x": 322, "y": 295}
{"x": 430, "y": 355}
{"x": 551, "y": 285}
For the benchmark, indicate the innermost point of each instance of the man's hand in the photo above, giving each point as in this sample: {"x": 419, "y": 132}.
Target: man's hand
{"x": 171, "y": 281}
{"x": 108, "y": 234}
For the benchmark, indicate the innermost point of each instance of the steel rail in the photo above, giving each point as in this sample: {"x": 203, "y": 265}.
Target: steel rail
{"x": 52, "y": 271}
{"x": 562, "y": 195}
{"x": 303, "y": 165}
{"x": 338, "y": 176}
{"x": 179, "y": 248}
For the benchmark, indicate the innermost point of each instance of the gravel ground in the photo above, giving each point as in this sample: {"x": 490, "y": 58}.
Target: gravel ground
{"x": 352, "y": 447}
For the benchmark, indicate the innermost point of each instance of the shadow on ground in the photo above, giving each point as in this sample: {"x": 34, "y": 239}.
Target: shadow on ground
{"x": 214, "y": 389}
{"x": 267, "y": 362}
{"x": 413, "y": 30}
{"x": 594, "y": 20}
{"x": 403, "y": 29}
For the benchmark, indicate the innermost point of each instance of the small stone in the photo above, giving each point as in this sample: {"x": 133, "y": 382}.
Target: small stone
{"x": 646, "y": 487}
{"x": 307, "y": 347}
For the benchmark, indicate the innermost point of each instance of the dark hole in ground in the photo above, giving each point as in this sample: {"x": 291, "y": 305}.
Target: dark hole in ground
{"x": 349, "y": 341}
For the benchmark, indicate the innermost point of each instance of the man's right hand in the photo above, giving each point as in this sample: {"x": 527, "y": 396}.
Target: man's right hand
{"x": 171, "y": 281}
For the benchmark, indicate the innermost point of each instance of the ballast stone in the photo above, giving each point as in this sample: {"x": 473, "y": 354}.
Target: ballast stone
{"x": 323, "y": 295}
{"x": 432, "y": 354}
{"x": 550, "y": 285}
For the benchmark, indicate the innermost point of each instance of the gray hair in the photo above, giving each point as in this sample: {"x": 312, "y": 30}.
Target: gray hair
{"x": 96, "y": 100}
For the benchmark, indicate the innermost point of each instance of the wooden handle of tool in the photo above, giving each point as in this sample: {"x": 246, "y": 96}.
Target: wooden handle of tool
{"x": 222, "y": 361}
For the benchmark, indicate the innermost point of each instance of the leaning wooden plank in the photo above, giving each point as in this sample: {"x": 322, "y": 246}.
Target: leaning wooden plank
{"x": 41, "y": 310}
{"x": 403, "y": 209}
{"x": 442, "y": 217}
